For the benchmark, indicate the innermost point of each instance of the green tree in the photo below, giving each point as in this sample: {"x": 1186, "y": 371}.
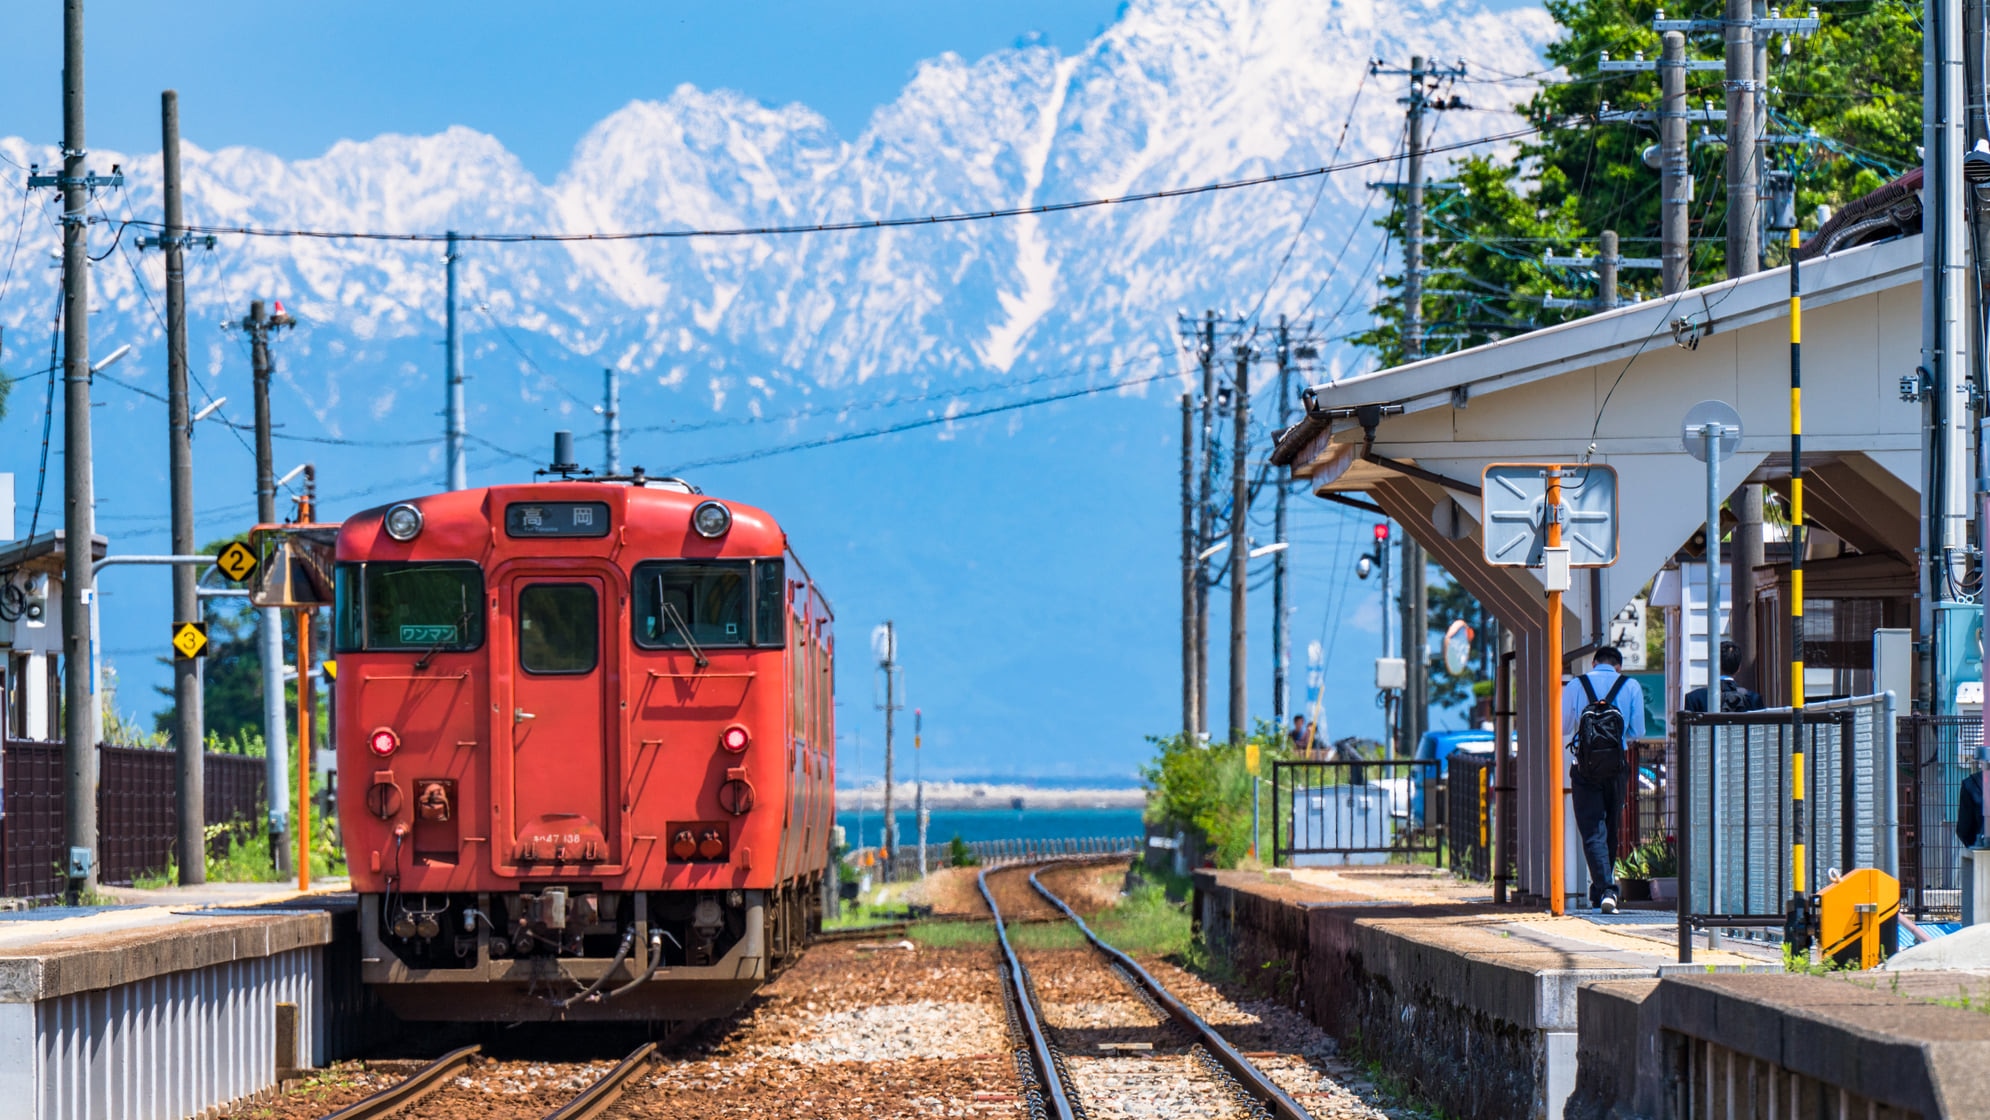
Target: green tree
{"x": 1852, "y": 91}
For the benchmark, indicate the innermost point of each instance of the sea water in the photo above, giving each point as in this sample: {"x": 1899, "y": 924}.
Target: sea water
{"x": 865, "y": 830}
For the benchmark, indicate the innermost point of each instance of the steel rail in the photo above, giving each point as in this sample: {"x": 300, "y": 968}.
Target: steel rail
{"x": 1016, "y": 979}
{"x": 1248, "y": 1076}
{"x": 602, "y": 1095}
{"x": 408, "y": 1090}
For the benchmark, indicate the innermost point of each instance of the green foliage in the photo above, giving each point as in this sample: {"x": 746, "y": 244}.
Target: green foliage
{"x": 245, "y": 855}
{"x": 958, "y": 854}
{"x": 1208, "y": 788}
{"x": 1854, "y": 89}
{"x": 1655, "y": 859}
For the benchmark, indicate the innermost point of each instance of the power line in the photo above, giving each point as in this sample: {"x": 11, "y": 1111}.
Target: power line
{"x": 847, "y": 226}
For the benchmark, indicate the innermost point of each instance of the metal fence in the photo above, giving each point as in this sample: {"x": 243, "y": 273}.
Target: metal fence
{"x": 903, "y": 864}
{"x": 1932, "y": 766}
{"x": 1736, "y": 812}
{"x": 1468, "y": 785}
{"x": 1649, "y": 811}
{"x": 1355, "y": 811}
{"x": 136, "y": 799}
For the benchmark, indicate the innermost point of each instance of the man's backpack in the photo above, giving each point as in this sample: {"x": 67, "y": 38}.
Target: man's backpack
{"x": 1599, "y": 734}
{"x": 1733, "y": 697}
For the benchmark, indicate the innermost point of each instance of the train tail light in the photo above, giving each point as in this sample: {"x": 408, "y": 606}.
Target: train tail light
{"x": 735, "y": 738}
{"x": 383, "y": 742}
{"x": 711, "y": 845}
{"x": 683, "y": 845}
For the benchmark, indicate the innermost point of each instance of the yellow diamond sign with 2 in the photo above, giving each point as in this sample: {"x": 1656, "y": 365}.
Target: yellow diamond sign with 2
{"x": 189, "y": 639}
{"x": 236, "y": 562}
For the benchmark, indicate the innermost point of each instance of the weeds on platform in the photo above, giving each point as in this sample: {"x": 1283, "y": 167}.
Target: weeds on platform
{"x": 239, "y": 852}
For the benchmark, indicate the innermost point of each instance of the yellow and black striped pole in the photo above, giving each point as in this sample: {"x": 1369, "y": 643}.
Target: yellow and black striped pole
{"x": 1798, "y": 924}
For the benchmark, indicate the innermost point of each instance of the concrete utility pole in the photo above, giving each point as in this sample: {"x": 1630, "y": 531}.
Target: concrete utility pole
{"x": 1606, "y": 270}
{"x": 888, "y": 664}
{"x": 1281, "y": 653}
{"x": 192, "y": 787}
{"x": 1205, "y": 519}
{"x": 1240, "y": 510}
{"x": 79, "y": 595}
{"x": 276, "y": 736}
{"x": 611, "y": 418}
{"x": 1190, "y": 671}
{"x": 452, "y": 405}
{"x": 1675, "y": 176}
{"x": 1744, "y": 243}
{"x": 1945, "y": 349}
{"x": 1416, "y": 647}
{"x": 1413, "y": 225}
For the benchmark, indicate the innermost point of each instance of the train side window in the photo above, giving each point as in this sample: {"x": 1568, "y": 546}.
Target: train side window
{"x": 559, "y": 628}
{"x": 770, "y": 589}
{"x": 400, "y": 606}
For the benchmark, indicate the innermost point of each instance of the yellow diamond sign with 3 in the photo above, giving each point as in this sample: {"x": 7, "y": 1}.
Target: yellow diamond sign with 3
{"x": 189, "y": 639}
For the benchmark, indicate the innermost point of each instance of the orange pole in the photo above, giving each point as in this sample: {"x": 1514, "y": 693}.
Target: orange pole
{"x": 1557, "y": 840}
{"x": 303, "y": 750}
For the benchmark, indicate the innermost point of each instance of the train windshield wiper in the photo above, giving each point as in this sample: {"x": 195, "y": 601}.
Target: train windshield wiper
{"x": 435, "y": 647}
{"x": 670, "y": 615}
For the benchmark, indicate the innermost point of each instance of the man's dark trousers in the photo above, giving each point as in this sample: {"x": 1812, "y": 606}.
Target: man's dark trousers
{"x": 1597, "y": 810}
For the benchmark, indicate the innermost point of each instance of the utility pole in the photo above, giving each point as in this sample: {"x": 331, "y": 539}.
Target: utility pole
{"x": 611, "y": 417}
{"x": 1190, "y": 672}
{"x": 192, "y": 787}
{"x": 1205, "y": 523}
{"x": 1675, "y": 177}
{"x": 79, "y": 595}
{"x": 1281, "y": 654}
{"x": 1416, "y": 647}
{"x": 919, "y": 787}
{"x": 276, "y": 737}
{"x": 1606, "y": 270}
{"x": 888, "y": 664}
{"x": 1413, "y": 230}
{"x": 1945, "y": 355}
{"x": 1240, "y": 509}
{"x": 452, "y": 406}
{"x": 1744, "y": 246}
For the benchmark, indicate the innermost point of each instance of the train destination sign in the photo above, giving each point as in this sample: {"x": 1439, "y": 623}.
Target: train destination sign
{"x": 556, "y": 519}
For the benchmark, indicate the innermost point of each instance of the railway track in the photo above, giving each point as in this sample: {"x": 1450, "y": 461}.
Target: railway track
{"x": 1042, "y": 1050}
{"x": 420, "y": 1090}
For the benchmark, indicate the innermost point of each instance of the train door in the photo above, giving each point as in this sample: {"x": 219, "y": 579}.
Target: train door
{"x": 555, "y": 732}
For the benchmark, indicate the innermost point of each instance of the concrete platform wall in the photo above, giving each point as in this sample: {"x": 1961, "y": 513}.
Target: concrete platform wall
{"x": 158, "y": 1023}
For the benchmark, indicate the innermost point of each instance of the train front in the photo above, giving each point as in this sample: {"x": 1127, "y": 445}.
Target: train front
{"x": 584, "y": 748}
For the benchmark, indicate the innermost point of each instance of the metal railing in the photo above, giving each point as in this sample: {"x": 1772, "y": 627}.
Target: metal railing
{"x": 903, "y": 864}
{"x": 1469, "y": 789}
{"x": 1356, "y": 811}
{"x": 1933, "y": 750}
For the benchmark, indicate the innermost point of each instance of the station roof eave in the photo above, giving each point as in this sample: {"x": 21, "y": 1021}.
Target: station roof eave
{"x": 1614, "y": 387}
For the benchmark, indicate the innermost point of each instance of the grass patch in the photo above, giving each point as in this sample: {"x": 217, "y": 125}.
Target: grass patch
{"x": 246, "y": 856}
{"x": 1145, "y": 922}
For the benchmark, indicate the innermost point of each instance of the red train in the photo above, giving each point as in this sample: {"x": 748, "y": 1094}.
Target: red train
{"x": 586, "y": 746}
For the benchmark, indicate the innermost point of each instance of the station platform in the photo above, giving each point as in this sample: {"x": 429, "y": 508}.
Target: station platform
{"x": 1501, "y": 1011}
{"x": 161, "y": 1004}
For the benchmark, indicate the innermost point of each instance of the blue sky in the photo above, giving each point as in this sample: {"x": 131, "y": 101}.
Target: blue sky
{"x": 883, "y": 523}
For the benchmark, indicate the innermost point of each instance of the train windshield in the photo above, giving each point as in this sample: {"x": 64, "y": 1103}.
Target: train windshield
{"x": 398, "y": 606}
{"x": 713, "y": 603}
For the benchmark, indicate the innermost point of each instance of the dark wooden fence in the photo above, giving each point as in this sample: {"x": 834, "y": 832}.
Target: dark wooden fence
{"x": 135, "y": 805}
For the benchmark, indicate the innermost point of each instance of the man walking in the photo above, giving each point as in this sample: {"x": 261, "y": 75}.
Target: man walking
{"x": 1601, "y": 709}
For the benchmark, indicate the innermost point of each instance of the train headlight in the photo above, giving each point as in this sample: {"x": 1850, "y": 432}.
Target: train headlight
{"x": 734, "y": 739}
{"x": 383, "y": 742}
{"x": 711, "y": 519}
{"x": 403, "y": 522}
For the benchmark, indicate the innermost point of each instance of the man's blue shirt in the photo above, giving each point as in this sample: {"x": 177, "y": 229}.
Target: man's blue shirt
{"x": 1630, "y": 701}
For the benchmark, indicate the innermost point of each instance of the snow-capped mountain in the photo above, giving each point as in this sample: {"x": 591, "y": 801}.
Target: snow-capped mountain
{"x": 721, "y": 331}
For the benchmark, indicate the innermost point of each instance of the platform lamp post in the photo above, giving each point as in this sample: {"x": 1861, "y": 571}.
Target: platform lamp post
{"x": 1710, "y": 433}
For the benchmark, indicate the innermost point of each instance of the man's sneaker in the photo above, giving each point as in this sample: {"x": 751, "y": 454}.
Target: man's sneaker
{"x": 1609, "y": 903}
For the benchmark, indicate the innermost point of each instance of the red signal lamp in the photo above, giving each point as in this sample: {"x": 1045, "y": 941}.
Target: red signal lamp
{"x": 734, "y": 739}
{"x": 1382, "y": 532}
{"x": 383, "y": 742}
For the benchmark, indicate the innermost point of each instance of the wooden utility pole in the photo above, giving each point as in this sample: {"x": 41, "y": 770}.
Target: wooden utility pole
{"x": 187, "y": 737}
{"x": 1281, "y": 653}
